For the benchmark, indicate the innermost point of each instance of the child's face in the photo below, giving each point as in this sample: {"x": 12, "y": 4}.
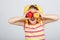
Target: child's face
{"x": 33, "y": 20}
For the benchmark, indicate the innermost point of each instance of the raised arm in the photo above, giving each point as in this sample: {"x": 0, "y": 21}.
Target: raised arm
{"x": 50, "y": 18}
{"x": 17, "y": 21}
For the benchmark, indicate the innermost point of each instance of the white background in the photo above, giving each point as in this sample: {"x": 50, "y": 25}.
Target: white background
{"x": 13, "y": 8}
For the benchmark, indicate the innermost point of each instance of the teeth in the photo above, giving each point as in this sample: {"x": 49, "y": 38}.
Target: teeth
{"x": 32, "y": 19}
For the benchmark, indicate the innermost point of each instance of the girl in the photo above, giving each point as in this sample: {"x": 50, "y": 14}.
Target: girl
{"x": 33, "y": 22}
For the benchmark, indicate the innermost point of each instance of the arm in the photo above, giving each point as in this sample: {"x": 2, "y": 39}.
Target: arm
{"x": 17, "y": 21}
{"x": 50, "y": 18}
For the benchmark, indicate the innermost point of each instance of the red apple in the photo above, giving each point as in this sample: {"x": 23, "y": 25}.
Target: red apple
{"x": 29, "y": 14}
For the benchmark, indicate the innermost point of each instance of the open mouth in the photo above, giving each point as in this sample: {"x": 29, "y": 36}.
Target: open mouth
{"x": 32, "y": 19}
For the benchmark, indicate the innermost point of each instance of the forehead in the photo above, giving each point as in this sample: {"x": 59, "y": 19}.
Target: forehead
{"x": 32, "y": 9}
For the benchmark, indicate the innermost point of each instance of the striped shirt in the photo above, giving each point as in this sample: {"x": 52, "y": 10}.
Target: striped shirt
{"x": 34, "y": 31}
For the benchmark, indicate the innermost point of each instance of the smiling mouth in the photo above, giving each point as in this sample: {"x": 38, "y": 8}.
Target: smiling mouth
{"x": 32, "y": 19}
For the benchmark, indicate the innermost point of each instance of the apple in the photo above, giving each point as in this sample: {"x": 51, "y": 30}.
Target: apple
{"x": 29, "y": 14}
{"x": 36, "y": 15}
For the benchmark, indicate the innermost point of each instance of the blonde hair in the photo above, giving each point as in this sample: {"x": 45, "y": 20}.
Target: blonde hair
{"x": 26, "y": 9}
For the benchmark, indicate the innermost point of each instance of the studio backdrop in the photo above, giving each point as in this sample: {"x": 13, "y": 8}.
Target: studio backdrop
{"x": 15, "y": 8}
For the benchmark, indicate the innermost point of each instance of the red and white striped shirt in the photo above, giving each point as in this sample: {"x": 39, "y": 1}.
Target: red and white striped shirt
{"x": 34, "y": 31}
